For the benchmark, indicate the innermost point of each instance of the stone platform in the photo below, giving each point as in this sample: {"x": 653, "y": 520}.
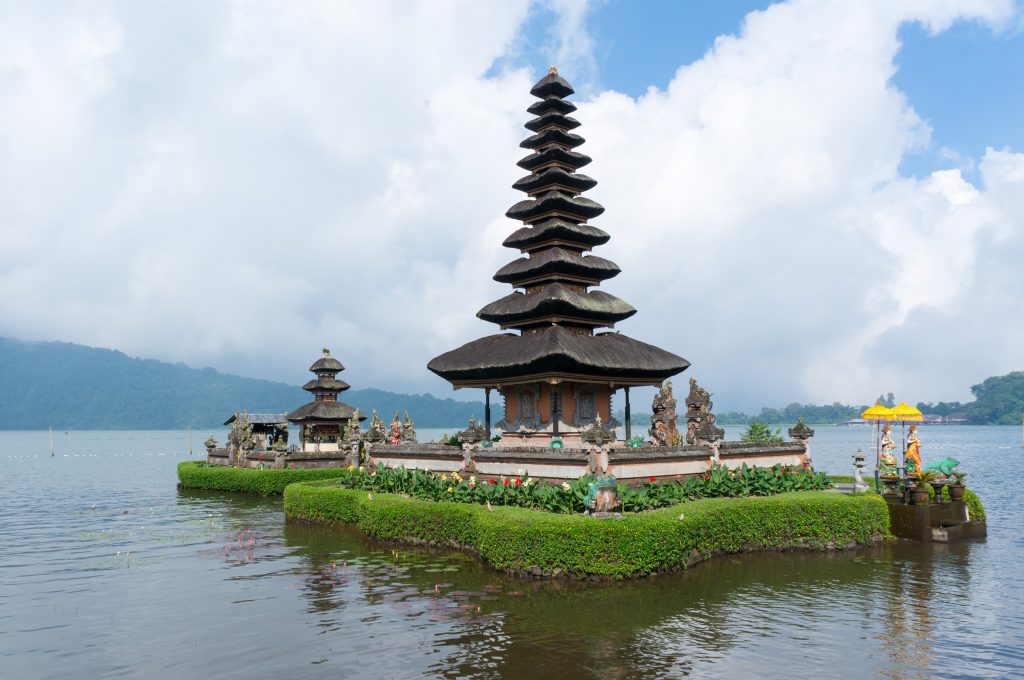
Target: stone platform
{"x": 936, "y": 522}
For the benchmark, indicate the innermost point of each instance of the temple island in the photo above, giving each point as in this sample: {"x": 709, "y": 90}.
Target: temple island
{"x": 556, "y": 368}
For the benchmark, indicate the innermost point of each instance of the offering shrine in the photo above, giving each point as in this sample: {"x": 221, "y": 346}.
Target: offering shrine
{"x": 323, "y": 422}
{"x": 554, "y": 371}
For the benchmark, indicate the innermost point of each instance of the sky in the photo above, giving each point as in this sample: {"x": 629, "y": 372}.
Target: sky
{"x": 812, "y": 201}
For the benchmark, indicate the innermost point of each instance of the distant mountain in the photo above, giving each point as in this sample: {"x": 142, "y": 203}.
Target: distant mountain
{"x": 73, "y": 387}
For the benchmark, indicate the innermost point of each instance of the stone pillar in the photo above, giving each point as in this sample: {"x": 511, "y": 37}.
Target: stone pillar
{"x": 487, "y": 411}
{"x": 803, "y": 434}
{"x": 629, "y": 431}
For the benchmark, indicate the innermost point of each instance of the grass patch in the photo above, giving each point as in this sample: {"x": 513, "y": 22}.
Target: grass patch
{"x": 199, "y": 475}
{"x": 520, "y": 540}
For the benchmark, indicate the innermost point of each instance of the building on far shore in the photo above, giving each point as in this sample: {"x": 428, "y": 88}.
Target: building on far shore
{"x": 556, "y": 375}
{"x": 323, "y": 422}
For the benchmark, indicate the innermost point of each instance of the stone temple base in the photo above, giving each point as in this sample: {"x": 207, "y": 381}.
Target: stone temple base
{"x": 936, "y": 522}
{"x": 625, "y": 464}
{"x": 277, "y": 460}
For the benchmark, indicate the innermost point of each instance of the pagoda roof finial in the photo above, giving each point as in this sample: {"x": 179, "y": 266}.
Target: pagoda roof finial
{"x": 327, "y": 352}
{"x": 552, "y": 70}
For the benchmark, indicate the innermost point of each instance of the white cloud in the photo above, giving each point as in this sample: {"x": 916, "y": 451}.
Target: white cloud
{"x": 239, "y": 185}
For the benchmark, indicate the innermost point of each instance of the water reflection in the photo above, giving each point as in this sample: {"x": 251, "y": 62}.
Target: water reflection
{"x": 220, "y": 585}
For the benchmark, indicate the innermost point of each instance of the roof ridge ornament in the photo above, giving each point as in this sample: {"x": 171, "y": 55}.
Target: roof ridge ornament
{"x": 552, "y": 70}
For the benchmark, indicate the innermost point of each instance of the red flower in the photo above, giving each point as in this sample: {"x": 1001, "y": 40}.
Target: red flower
{"x": 261, "y": 457}
{"x": 707, "y": 476}
{"x": 505, "y": 482}
{"x": 654, "y": 479}
{"x": 493, "y": 482}
{"x": 519, "y": 482}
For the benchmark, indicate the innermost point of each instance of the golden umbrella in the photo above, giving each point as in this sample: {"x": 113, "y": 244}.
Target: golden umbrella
{"x": 877, "y": 413}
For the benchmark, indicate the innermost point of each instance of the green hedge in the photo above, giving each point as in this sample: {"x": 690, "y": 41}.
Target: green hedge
{"x": 199, "y": 475}
{"x": 525, "y": 541}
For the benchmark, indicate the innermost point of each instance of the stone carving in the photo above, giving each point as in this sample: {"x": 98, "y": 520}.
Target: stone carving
{"x": 408, "y": 430}
{"x": 210, "y": 444}
{"x": 239, "y": 438}
{"x": 663, "y": 430}
{"x": 280, "y": 445}
{"x": 376, "y": 433}
{"x": 473, "y": 434}
{"x": 700, "y": 421}
{"x": 602, "y": 495}
{"x": 352, "y": 429}
{"x": 396, "y": 431}
{"x": 355, "y": 438}
{"x": 597, "y": 434}
{"x": 801, "y": 432}
{"x": 858, "y": 466}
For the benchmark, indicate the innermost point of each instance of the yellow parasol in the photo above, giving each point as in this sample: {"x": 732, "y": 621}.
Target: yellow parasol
{"x": 877, "y": 413}
{"x": 904, "y": 413}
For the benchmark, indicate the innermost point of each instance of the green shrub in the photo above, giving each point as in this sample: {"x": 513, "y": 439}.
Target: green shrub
{"x": 199, "y": 475}
{"x": 522, "y": 540}
{"x": 568, "y": 497}
{"x": 758, "y": 431}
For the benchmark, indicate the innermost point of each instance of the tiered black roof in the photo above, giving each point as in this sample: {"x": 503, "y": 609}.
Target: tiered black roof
{"x": 556, "y": 312}
{"x": 325, "y": 388}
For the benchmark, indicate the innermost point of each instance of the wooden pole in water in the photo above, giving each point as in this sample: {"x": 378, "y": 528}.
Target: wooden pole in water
{"x": 51, "y": 442}
{"x": 189, "y": 441}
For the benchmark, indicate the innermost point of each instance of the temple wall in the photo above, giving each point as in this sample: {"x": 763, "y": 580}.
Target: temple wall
{"x": 511, "y": 405}
{"x": 627, "y": 465}
{"x": 568, "y": 403}
{"x": 544, "y": 403}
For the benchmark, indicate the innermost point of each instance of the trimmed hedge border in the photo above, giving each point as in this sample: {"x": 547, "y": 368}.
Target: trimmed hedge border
{"x": 198, "y": 475}
{"x": 525, "y": 541}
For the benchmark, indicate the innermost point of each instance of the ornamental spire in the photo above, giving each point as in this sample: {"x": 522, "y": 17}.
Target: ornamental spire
{"x": 557, "y": 273}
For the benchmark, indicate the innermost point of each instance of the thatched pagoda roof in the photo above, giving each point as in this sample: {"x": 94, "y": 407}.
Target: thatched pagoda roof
{"x": 323, "y": 411}
{"x": 560, "y": 353}
{"x": 556, "y": 312}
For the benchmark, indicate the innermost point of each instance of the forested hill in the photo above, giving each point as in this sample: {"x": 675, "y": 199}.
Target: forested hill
{"x": 72, "y": 387}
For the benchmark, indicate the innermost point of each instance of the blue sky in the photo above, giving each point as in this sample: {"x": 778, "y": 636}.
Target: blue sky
{"x": 967, "y": 81}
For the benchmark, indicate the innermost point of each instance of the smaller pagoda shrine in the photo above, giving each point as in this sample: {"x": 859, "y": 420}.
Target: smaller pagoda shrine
{"x": 323, "y": 422}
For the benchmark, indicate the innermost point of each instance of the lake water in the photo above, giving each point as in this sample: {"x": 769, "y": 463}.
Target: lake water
{"x": 107, "y": 570}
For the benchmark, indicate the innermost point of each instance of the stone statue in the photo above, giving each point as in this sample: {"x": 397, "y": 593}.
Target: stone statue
{"x": 377, "y": 433}
{"x": 408, "y": 430}
{"x": 887, "y": 461}
{"x": 700, "y": 421}
{"x": 663, "y": 430}
{"x": 396, "y": 431}
{"x": 602, "y": 495}
{"x": 239, "y": 437}
{"x": 597, "y": 434}
{"x": 210, "y": 444}
{"x": 912, "y": 459}
{"x": 944, "y": 466}
{"x": 472, "y": 434}
{"x": 354, "y": 435}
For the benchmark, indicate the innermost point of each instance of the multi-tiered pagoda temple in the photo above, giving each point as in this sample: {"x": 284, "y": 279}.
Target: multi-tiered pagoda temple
{"x": 556, "y": 374}
{"x": 323, "y": 421}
